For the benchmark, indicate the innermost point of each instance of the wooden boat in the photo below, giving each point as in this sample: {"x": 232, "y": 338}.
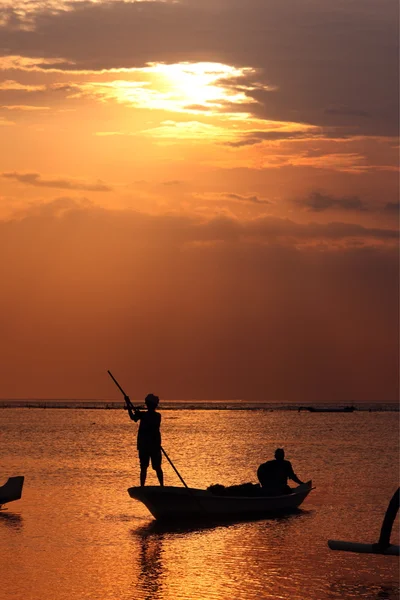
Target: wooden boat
{"x": 11, "y": 490}
{"x": 177, "y": 503}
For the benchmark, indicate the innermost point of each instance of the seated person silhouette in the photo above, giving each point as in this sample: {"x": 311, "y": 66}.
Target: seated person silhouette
{"x": 273, "y": 475}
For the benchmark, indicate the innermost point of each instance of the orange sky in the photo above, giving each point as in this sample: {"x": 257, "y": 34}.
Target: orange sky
{"x": 201, "y": 197}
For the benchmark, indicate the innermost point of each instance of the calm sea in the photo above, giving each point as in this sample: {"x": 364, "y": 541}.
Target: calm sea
{"x": 76, "y": 534}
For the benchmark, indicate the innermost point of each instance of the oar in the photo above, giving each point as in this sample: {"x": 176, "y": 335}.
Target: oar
{"x": 127, "y": 400}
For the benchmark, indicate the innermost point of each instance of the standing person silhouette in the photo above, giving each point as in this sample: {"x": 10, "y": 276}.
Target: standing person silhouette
{"x": 149, "y": 436}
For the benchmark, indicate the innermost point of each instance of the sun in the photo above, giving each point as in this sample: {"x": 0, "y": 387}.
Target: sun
{"x": 193, "y": 88}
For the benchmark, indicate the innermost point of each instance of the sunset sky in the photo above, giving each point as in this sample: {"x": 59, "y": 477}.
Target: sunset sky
{"x": 201, "y": 196}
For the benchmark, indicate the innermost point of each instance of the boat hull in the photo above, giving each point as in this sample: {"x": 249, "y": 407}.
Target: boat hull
{"x": 176, "y": 503}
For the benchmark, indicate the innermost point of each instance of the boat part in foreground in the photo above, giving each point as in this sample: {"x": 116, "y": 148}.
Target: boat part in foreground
{"x": 383, "y": 546}
{"x": 363, "y": 548}
{"x": 11, "y": 490}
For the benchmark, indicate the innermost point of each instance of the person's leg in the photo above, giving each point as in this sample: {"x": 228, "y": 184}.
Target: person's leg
{"x": 160, "y": 475}
{"x": 143, "y": 475}
{"x": 156, "y": 464}
{"x": 144, "y": 459}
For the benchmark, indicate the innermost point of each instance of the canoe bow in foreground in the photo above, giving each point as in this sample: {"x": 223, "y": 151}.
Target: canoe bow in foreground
{"x": 391, "y": 550}
{"x": 11, "y": 490}
{"x": 177, "y": 503}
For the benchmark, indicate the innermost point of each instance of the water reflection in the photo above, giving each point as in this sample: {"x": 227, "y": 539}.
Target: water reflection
{"x": 368, "y": 590}
{"x": 82, "y": 537}
{"x": 150, "y": 564}
{"x": 11, "y": 520}
{"x": 388, "y": 592}
{"x": 182, "y": 560}
{"x": 159, "y": 527}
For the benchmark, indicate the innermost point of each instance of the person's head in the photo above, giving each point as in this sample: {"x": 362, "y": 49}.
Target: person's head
{"x": 279, "y": 454}
{"x": 152, "y": 401}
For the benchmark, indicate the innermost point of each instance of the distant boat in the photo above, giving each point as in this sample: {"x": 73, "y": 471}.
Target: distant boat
{"x": 345, "y": 409}
{"x": 177, "y": 503}
{"x": 11, "y": 490}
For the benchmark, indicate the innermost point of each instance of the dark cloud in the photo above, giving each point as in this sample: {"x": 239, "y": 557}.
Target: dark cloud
{"x": 319, "y": 133}
{"x": 392, "y": 207}
{"x": 251, "y": 199}
{"x": 12, "y": 97}
{"x": 272, "y": 228}
{"x": 12, "y": 19}
{"x": 311, "y": 57}
{"x": 182, "y": 230}
{"x": 242, "y": 318}
{"x": 256, "y": 137}
{"x": 347, "y": 111}
{"x": 319, "y": 202}
{"x": 36, "y": 180}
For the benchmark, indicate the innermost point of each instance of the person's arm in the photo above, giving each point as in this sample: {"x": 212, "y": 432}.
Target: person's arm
{"x": 292, "y": 475}
{"x": 133, "y": 413}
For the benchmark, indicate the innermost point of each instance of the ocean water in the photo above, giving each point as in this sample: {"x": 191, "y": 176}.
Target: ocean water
{"x": 76, "y": 534}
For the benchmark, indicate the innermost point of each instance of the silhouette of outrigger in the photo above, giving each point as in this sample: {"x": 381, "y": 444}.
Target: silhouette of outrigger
{"x": 11, "y": 490}
{"x": 383, "y": 546}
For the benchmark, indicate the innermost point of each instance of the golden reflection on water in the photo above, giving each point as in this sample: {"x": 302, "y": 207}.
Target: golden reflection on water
{"x": 249, "y": 560}
{"x": 76, "y": 534}
{"x": 150, "y": 566}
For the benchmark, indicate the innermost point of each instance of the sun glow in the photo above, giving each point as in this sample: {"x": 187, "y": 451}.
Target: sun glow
{"x": 200, "y": 86}
{"x": 194, "y": 88}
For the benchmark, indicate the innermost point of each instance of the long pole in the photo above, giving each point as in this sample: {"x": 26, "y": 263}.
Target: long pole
{"x": 173, "y": 466}
{"x": 126, "y": 397}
